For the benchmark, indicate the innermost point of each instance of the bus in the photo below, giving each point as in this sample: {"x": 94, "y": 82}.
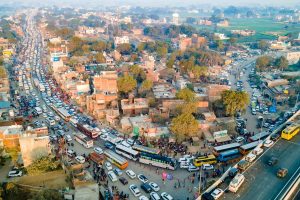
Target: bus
{"x": 63, "y": 113}
{"x": 219, "y": 149}
{"x": 87, "y": 130}
{"x": 127, "y": 152}
{"x": 141, "y": 148}
{"x": 290, "y": 131}
{"x": 259, "y": 136}
{"x": 84, "y": 140}
{"x": 236, "y": 183}
{"x": 117, "y": 160}
{"x": 248, "y": 147}
{"x": 229, "y": 155}
{"x": 158, "y": 160}
{"x": 209, "y": 159}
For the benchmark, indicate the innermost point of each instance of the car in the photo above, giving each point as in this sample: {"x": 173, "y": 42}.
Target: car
{"x": 112, "y": 176}
{"x": 143, "y": 178}
{"x": 14, "y": 173}
{"x": 275, "y": 137}
{"x": 61, "y": 133}
{"x": 66, "y": 129}
{"x": 166, "y": 196}
{"x": 233, "y": 171}
{"x": 273, "y": 161}
{"x": 130, "y": 173}
{"x": 70, "y": 152}
{"x": 45, "y": 115}
{"x": 257, "y": 151}
{"x": 268, "y": 143}
{"x": 53, "y": 137}
{"x": 123, "y": 180}
{"x": 207, "y": 167}
{"x": 109, "y": 145}
{"x": 68, "y": 138}
{"x": 146, "y": 187}
{"x": 98, "y": 150}
{"x": 243, "y": 164}
{"x": 57, "y": 118}
{"x": 118, "y": 171}
{"x": 154, "y": 186}
{"x": 282, "y": 172}
{"x": 154, "y": 196}
{"x": 80, "y": 159}
{"x": 193, "y": 168}
{"x": 217, "y": 193}
{"x": 108, "y": 165}
{"x": 240, "y": 139}
{"x": 143, "y": 198}
{"x": 135, "y": 190}
{"x": 250, "y": 157}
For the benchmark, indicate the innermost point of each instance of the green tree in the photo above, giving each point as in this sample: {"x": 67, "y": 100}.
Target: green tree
{"x": 86, "y": 49}
{"x": 146, "y": 86}
{"x": 46, "y": 194}
{"x": 100, "y": 58}
{"x": 186, "y": 94}
{"x": 126, "y": 84}
{"x": 234, "y": 101}
{"x": 183, "y": 126}
{"x": 263, "y": 62}
{"x": 99, "y": 46}
{"x": 263, "y": 45}
{"x": 199, "y": 71}
{"x": 124, "y": 48}
{"x": 141, "y": 47}
{"x": 162, "y": 51}
{"x": 42, "y": 165}
{"x": 137, "y": 72}
{"x": 282, "y": 63}
{"x": 187, "y": 108}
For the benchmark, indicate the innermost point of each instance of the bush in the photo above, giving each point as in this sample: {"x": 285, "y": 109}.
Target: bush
{"x": 42, "y": 165}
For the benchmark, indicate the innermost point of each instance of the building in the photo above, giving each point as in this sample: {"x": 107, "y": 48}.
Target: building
{"x": 34, "y": 146}
{"x": 121, "y": 40}
{"x": 293, "y": 57}
{"x": 134, "y": 106}
{"x": 223, "y": 23}
{"x": 175, "y": 19}
{"x": 214, "y": 91}
{"x": 245, "y": 32}
{"x": 221, "y": 36}
{"x": 9, "y": 135}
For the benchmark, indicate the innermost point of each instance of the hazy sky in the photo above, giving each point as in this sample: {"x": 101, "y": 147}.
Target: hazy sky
{"x": 158, "y": 3}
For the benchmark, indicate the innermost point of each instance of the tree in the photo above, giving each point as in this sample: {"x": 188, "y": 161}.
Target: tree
{"x": 99, "y": 46}
{"x": 100, "y": 58}
{"x": 86, "y": 49}
{"x": 263, "y": 62}
{"x": 199, "y": 71}
{"x": 263, "y": 45}
{"x": 234, "y": 101}
{"x": 46, "y": 194}
{"x": 42, "y": 165}
{"x": 126, "y": 84}
{"x": 232, "y": 40}
{"x": 186, "y": 94}
{"x": 282, "y": 63}
{"x": 124, "y": 48}
{"x": 137, "y": 72}
{"x": 162, "y": 51}
{"x": 146, "y": 86}
{"x": 2, "y": 72}
{"x": 183, "y": 126}
{"x": 220, "y": 45}
{"x": 187, "y": 108}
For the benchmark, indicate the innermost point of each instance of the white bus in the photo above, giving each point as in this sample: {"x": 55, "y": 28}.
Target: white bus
{"x": 236, "y": 183}
{"x": 84, "y": 140}
{"x": 127, "y": 152}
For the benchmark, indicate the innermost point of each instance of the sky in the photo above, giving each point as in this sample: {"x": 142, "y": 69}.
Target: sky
{"x": 157, "y": 3}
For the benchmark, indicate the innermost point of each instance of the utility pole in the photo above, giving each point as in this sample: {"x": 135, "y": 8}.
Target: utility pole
{"x": 200, "y": 171}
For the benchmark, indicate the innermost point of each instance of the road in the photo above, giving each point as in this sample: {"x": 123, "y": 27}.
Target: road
{"x": 261, "y": 180}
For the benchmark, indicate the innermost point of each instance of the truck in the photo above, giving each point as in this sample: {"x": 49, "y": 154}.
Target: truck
{"x": 87, "y": 130}
{"x": 96, "y": 158}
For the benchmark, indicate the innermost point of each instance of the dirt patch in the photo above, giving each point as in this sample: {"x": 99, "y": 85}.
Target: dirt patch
{"x": 53, "y": 180}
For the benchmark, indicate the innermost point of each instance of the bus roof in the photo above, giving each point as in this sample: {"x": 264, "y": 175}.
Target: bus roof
{"x": 158, "y": 157}
{"x": 227, "y": 146}
{"x": 249, "y": 146}
{"x": 259, "y": 136}
{"x": 145, "y": 149}
{"x": 291, "y": 127}
{"x": 229, "y": 152}
{"x": 64, "y": 112}
{"x": 129, "y": 150}
{"x": 204, "y": 157}
{"x": 115, "y": 157}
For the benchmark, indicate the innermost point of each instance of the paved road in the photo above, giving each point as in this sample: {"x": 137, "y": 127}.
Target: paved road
{"x": 261, "y": 180}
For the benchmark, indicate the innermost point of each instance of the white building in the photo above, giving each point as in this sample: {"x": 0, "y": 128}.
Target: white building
{"x": 175, "y": 18}
{"x": 121, "y": 40}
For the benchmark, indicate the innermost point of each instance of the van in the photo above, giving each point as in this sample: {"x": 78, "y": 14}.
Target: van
{"x": 236, "y": 182}
{"x": 112, "y": 176}
{"x": 233, "y": 171}
{"x": 250, "y": 157}
{"x": 257, "y": 151}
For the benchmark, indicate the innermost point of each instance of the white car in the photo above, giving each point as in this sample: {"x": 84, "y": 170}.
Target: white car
{"x": 154, "y": 186}
{"x": 70, "y": 153}
{"x": 98, "y": 150}
{"x": 112, "y": 176}
{"x": 80, "y": 159}
{"x": 257, "y": 151}
{"x": 217, "y": 193}
{"x": 268, "y": 143}
{"x": 239, "y": 139}
{"x": 131, "y": 174}
{"x": 45, "y": 115}
{"x": 193, "y": 168}
{"x": 143, "y": 178}
{"x": 166, "y": 196}
{"x": 103, "y": 137}
{"x": 143, "y": 198}
{"x": 207, "y": 167}
{"x": 135, "y": 190}
{"x": 250, "y": 157}
{"x": 108, "y": 166}
{"x": 57, "y": 118}
{"x": 15, "y": 173}
{"x": 68, "y": 138}
{"x": 154, "y": 196}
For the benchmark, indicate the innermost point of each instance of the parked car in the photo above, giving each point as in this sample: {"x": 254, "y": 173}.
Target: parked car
{"x": 130, "y": 173}
{"x": 257, "y": 151}
{"x": 146, "y": 187}
{"x": 154, "y": 196}
{"x": 109, "y": 145}
{"x": 143, "y": 198}
{"x": 240, "y": 139}
{"x": 70, "y": 153}
{"x": 123, "y": 180}
{"x": 250, "y": 157}
{"x": 14, "y": 173}
{"x": 118, "y": 171}
{"x": 268, "y": 143}
{"x": 98, "y": 150}
{"x": 80, "y": 159}
{"x": 108, "y": 165}
{"x": 217, "y": 193}
{"x": 68, "y": 138}
{"x": 275, "y": 137}
{"x": 143, "y": 178}
{"x": 192, "y": 168}
{"x": 135, "y": 190}
{"x": 243, "y": 164}
{"x": 154, "y": 186}
{"x": 166, "y": 196}
{"x": 207, "y": 167}
{"x": 112, "y": 176}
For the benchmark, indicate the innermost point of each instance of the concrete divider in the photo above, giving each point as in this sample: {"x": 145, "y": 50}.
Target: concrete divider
{"x": 292, "y": 189}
